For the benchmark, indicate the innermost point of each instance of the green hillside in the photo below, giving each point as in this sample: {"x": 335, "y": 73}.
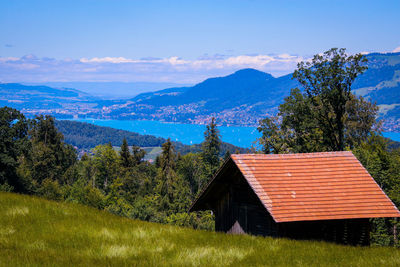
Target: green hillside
{"x": 37, "y": 232}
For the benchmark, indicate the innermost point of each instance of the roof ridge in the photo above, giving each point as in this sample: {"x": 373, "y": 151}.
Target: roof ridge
{"x": 291, "y": 155}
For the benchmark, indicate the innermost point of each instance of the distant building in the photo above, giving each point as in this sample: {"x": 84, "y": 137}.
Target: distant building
{"x": 325, "y": 196}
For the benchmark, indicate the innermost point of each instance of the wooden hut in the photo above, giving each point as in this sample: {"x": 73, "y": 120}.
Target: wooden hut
{"x": 325, "y": 196}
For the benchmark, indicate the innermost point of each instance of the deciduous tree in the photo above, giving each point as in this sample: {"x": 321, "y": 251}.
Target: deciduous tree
{"x": 105, "y": 160}
{"x": 324, "y": 115}
{"x": 13, "y": 144}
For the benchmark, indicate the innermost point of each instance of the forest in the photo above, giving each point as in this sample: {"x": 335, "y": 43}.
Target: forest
{"x": 323, "y": 116}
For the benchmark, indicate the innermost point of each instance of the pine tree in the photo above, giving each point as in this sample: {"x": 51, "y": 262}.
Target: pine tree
{"x": 126, "y": 157}
{"x": 173, "y": 190}
{"x": 138, "y": 154}
{"x": 211, "y": 146}
{"x": 227, "y": 155}
{"x": 167, "y": 166}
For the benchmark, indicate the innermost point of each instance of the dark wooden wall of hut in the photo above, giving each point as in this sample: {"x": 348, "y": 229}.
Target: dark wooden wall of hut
{"x": 238, "y": 210}
{"x": 351, "y": 231}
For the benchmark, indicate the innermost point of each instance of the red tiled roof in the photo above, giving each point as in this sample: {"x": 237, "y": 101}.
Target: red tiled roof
{"x": 314, "y": 186}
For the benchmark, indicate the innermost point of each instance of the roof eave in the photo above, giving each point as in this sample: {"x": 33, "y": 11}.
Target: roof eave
{"x": 197, "y": 201}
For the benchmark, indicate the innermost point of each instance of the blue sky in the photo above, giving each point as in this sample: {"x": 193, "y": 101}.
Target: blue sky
{"x": 182, "y": 41}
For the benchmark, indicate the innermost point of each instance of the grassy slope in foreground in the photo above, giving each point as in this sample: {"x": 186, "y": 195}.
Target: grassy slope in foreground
{"x": 36, "y": 232}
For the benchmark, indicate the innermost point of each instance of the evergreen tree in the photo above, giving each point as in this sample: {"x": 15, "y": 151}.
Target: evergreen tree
{"x": 227, "y": 155}
{"x": 125, "y": 155}
{"x": 167, "y": 168}
{"x": 173, "y": 190}
{"x": 138, "y": 155}
{"x": 211, "y": 146}
{"x": 191, "y": 168}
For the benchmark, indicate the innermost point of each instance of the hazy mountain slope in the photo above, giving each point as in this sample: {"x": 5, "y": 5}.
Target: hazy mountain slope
{"x": 247, "y": 86}
{"x": 382, "y": 79}
{"x": 381, "y": 84}
{"x": 240, "y": 98}
{"x": 113, "y": 90}
{"x": 38, "y": 99}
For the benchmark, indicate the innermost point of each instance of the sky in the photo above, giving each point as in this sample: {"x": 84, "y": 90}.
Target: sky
{"x": 182, "y": 41}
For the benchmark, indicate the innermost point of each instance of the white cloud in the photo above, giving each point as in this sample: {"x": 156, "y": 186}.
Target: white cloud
{"x": 397, "y": 49}
{"x": 27, "y": 66}
{"x": 286, "y": 56}
{"x": 172, "y": 69}
{"x": 170, "y": 60}
{"x": 256, "y": 61}
{"x": 5, "y": 59}
{"x": 106, "y": 60}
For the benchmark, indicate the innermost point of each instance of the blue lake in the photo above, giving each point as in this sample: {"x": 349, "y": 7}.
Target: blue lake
{"x": 185, "y": 133}
{"x": 392, "y": 135}
{"x": 191, "y": 133}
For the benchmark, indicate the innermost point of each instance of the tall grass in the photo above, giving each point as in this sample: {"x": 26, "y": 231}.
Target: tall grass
{"x": 37, "y": 232}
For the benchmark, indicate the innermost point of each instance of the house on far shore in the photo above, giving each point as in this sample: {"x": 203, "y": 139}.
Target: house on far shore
{"x": 321, "y": 196}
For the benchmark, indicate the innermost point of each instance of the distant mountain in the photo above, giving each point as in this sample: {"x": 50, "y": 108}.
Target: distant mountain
{"x": 113, "y": 90}
{"x": 242, "y": 98}
{"x": 225, "y": 92}
{"x": 43, "y": 99}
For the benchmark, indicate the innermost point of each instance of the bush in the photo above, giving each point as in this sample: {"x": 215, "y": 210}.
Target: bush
{"x": 93, "y": 197}
{"x": 144, "y": 209}
{"x": 6, "y": 187}
{"x": 50, "y": 189}
{"x": 199, "y": 220}
{"x": 120, "y": 207}
{"x": 85, "y": 194}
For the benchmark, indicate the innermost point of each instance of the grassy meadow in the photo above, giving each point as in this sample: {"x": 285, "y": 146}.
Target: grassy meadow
{"x": 37, "y": 232}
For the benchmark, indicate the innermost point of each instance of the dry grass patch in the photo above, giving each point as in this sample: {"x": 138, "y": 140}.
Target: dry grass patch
{"x": 15, "y": 211}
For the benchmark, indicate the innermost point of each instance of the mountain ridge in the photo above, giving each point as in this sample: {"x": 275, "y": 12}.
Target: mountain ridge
{"x": 241, "y": 98}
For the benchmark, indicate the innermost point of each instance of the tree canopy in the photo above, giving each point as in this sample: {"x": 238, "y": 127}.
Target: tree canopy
{"x": 323, "y": 114}
{"x": 13, "y": 144}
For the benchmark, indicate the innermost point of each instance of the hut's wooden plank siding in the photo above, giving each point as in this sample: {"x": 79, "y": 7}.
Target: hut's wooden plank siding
{"x": 238, "y": 209}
